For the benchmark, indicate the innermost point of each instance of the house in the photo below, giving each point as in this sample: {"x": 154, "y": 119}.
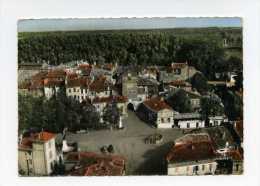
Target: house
{"x": 177, "y": 71}
{"x": 52, "y": 87}
{"x": 237, "y": 157}
{"x": 100, "y": 87}
{"x": 77, "y": 88}
{"x": 151, "y": 72}
{"x": 178, "y": 84}
{"x": 217, "y": 120}
{"x": 157, "y": 112}
{"x": 129, "y": 86}
{"x": 188, "y": 121}
{"x": 100, "y": 104}
{"x": 92, "y": 164}
{"x": 239, "y": 129}
{"x": 37, "y": 154}
{"x": 149, "y": 86}
{"x": 192, "y": 157}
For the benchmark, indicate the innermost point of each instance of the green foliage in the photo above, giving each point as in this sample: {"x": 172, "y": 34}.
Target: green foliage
{"x": 202, "y": 48}
{"x": 111, "y": 115}
{"x": 55, "y": 114}
{"x": 211, "y": 107}
{"x": 199, "y": 82}
{"x": 180, "y": 102}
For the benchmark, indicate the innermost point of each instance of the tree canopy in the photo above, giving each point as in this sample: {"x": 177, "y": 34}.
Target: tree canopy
{"x": 180, "y": 101}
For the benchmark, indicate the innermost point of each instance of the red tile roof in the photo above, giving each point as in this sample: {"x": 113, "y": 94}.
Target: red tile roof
{"x": 27, "y": 142}
{"x": 52, "y": 82}
{"x": 99, "y": 85}
{"x": 191, "y": 152}
{"x": 59, "y": 73}
{"x": 78, "y": 82}
{"x": 97, "y": 164}
{"x": 237, "y": 155}
{"x": 156, "y": 104}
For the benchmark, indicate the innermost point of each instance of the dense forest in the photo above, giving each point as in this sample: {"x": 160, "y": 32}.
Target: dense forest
{"x": 202, "y": 48}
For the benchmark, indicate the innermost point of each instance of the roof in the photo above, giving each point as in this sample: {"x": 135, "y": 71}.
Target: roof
{"x": 99, "y": 84}
{"x": 236, "y": 154}
{"x": 193, "y": 138}
{"x": 179, "y": 83}
{"x": 118, "y": 99}
{"x": 189, "y": 152}
{"x": 26, "y": 142}
{"x": 78, "y": 82}
{"x": 156, "y": 104}
{"x": 93, "y": 164}
{"x": 53, "y": 82}
{"x": 179, "y": 65}
{"x": 58, "y": 73}
{"x": 146, "y": 82}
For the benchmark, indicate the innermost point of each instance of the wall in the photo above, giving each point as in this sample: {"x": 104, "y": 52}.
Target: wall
{"x": 193, "y": 123}
{"x": 188, "y": 169}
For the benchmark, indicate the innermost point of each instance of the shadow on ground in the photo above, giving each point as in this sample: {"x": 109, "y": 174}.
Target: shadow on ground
{"x": 155, "y": 163}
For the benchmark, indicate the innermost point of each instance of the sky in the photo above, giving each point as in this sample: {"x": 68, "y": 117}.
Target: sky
{"x": 36, "y": 25}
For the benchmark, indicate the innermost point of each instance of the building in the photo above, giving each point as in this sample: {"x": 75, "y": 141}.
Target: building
{"x": 192, "y": 157}
{"x": 100, "y": 87}
{"x": 157, "y": 112}
{"x": 100, "y": 104}
{"x": 188, "y": 121}
{"x": 217, "y": 120}
{"x": 178, "y": 84}
{"x": 129, "y": 86}
{"x": 37, "y": 154}
{"x": 77, "y": 88}
{"x": 92, "y": 164}
{"x": 177, "y": 71}
{"x": 149, "y": 86}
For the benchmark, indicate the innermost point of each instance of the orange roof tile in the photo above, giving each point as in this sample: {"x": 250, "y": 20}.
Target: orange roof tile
{"x": 191, "y": 152}
{"x": 156, "y": 104}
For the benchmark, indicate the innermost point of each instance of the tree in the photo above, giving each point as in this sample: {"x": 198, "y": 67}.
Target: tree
{"x": 211, "y": 106}
{"x": 180, "y": 102}
{"x": 199, "y": 82}
{"x": 111, "y": 115}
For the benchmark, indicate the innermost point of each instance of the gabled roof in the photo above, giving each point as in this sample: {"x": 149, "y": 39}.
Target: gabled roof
{"x": 99, "y": 84}
{"x": 93, "y": 164}
{"x": 78, "y": 82}
{"x": 156, "y": 104}
{"x": 190, "y": 152}
{"x": 27, "y": 142}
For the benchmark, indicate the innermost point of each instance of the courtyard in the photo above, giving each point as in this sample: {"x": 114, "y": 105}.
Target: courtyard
{"x": 142, "y": 159}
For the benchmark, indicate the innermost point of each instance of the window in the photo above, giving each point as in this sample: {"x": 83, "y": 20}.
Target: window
{"x": 169, "y": 120}
{"x": 203, "y": 167}
{"x": 215, "y": 123}
{"x": 162, "y": 120}
{"x": 50, "y": 154}
{"x": 74, "y": 89}
{"x": 237, "y": 167}
{"x": 69, "y": 90}
{"x": 197, "y": 125}
{"x": 81, "y": 91}
{"x": 188, "y": 125}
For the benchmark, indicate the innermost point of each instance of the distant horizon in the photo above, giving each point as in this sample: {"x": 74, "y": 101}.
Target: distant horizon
{"x": 103, "y": 24}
